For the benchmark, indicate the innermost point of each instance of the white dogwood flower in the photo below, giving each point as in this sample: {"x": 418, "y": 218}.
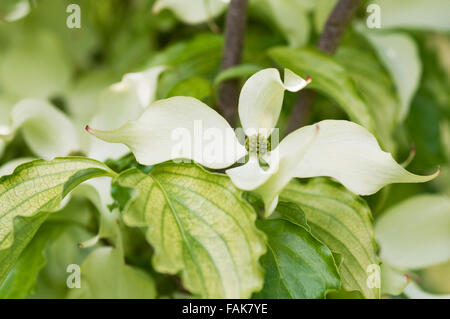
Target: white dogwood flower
{"x": 339, "y": 149}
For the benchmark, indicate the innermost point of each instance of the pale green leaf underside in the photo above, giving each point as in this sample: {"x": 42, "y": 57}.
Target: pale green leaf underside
{"x": 342, "y": 221}
{"x": 328, "y": 77}
{"x": 199, "y": 225}
{"x": 41, "y": 186}
{"x": 105, "y": 275}
{"x": 297, "y": 265}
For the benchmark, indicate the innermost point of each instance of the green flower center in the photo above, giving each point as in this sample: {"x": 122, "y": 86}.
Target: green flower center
{"x": 257, "y": 145}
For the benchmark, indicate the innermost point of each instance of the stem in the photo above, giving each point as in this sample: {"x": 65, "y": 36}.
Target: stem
{"x": 329, "y": 40}
{"x": 336, "y": 25}
{"x": 234, "y": 41}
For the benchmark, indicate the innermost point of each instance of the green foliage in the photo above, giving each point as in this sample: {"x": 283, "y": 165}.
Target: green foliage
{"x": 297, "y": 265}
{"x": 239, "y": 71}
{"x": 329, "y": 77}
{"x": 41, "y": 186}
{"x": 199, "y": 225}
{"x": 25, "y": 230}
{"x": 177, "y": 230}
{"x": 342, "y": 221}
{"x": 199, "y": 57}
{"x": 107, "y": 276}
{"x": 20, "y": 281}
{"x": 375, "y": 88}
{"x": 399, "y": 54}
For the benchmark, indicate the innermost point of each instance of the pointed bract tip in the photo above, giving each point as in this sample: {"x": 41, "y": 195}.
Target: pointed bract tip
{"x": 80, "y": 245}
{"x": 87, "y": 128}
{"x": 156, "y": 8}
{"x": 308, "y": 79}
{"x": 317, "y": 127}
{"x": 408, "y": 277}
{"x": 413, "y": 149}
{"x": 439, "y": 169}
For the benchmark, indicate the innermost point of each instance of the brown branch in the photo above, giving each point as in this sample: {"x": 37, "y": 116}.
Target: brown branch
{"x": 329, "y": 40}
{"x": 232, "y": 53}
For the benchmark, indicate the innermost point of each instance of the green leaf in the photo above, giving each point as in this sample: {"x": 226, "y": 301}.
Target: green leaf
{"x": 415, "y": 14}
{"x": 105, "y": 275}
{"x": 400, "y": 55}
{"x": 375, "y": 88}
{"x": 342, "y": 221}
{"x": 424, "y": 131}
{"x": 199, "y": 225}
{"x": 25, "y": 230}
{"x": 195, "y": 87}
{"x": 415, "y": 233}
{"x": 329, "y": 77}
{"x": 199, "y": 57}
{"x": 322, "y": 11}
{"x": 22, "y": 278}
{"x": 293, "y": 213}
{"x": 297, "y": 265}
{"x": 238, "y": 71}
{"x": 41, "y": 186}
{"x": 64, "y": 250}
{"x": 290, "y": 17}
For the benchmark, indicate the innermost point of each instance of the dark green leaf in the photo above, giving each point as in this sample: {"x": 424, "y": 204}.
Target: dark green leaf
{"x": 297, "y": 265}
{"x": 343, "y": 222}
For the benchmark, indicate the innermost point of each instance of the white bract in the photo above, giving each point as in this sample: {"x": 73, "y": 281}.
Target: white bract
{"x": 120, "y": 103}
{"x": 192, "y": 11}
{"x": 342, "y": 150}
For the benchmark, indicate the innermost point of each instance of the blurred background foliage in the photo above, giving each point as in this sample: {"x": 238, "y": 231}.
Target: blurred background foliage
{"x": 409, "y": 108}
